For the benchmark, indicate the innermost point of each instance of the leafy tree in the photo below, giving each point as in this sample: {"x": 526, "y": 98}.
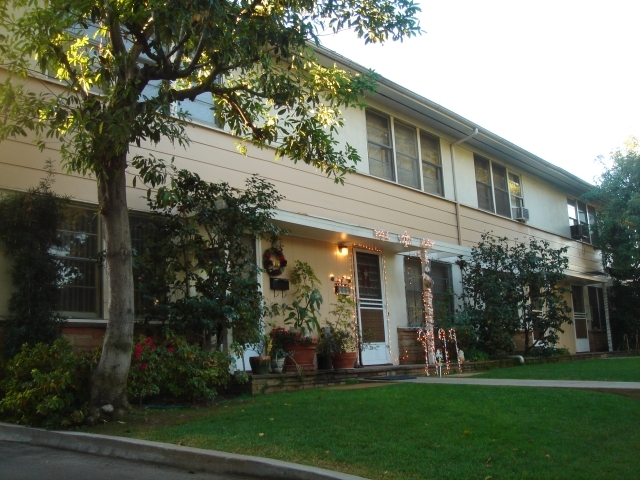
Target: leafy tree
{"x": 617, "y": 234}
{"x": 198, "y": 271}
{"x": 126, "y": 64}
{"x": 514, "y": 287}
{"x": 28, "y": 233}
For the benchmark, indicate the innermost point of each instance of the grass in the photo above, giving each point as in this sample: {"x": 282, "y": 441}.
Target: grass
{"x": 412, "y": 431}
{"x": 609, "y": 369}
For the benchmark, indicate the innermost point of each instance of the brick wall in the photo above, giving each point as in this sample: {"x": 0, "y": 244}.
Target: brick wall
{"x": 411, "y": 350}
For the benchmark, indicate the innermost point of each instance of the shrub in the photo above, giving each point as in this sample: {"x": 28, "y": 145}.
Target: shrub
{"x": 28, "y": 233}
{"x": 548, "y": 352}
{"x": 176, "y": 369}
{"x": 47, "y": 386}
{"x": 475, "y": 355}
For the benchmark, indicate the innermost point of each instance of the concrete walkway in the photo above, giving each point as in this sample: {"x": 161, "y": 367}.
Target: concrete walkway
{"x": 595, "y": 385}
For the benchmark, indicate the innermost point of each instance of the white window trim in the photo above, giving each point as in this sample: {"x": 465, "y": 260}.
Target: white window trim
{"x": 588, "y": 223}
{"x": 493, "y": 187}
{"x": 418, "y": 131}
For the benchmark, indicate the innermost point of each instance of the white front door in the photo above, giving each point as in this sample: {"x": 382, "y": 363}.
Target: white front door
{"x": 580, "y": 319}
{"x": 371, "y": 308}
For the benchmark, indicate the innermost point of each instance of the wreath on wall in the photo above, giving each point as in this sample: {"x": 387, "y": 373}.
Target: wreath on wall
{"x": 274, "y": 261}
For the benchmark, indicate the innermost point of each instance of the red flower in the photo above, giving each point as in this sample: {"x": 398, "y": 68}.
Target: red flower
{"x": 138, "y": 351}
{"x": 143, "y": 366}
{"x": 153, "y": 347}
{"x": 170, "y": 350}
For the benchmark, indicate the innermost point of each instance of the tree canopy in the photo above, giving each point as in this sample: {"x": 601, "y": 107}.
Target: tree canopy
{"x": 511, "y": 286}
{"x": 124, "y": 66}
{"x": 617, "y": 234}
{"x": 197, "y": 272}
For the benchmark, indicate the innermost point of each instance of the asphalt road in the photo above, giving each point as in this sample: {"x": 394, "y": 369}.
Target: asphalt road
{"x": 20, "y": 461}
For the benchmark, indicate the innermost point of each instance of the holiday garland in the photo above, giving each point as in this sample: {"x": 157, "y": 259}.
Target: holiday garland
{"x": 274, "y": 261}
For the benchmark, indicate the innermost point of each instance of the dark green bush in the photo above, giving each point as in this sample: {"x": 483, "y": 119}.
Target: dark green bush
{"x": 46, "y": 386}
{"x": 176, "y": 370}
{"x": 548, "y": 352}
{"x": 28, "y": 234}
{"x": 475, "y": 355}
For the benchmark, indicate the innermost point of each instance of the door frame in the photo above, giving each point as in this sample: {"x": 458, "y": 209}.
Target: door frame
{"x": 377, "y": 352}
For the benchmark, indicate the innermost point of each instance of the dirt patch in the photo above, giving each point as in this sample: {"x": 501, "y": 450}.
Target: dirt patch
{"x": 616, "y": 391}
{"x": 357, "y": 386}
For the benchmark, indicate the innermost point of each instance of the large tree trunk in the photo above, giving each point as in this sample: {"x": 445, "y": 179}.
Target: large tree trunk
{"x": 109, "y": 381}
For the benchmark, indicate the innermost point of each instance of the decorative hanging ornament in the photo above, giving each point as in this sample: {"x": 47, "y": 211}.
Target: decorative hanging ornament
{"x": 274, "y": 261}
{"x": 405, "y": 239}
{"x": 381, "y": 234}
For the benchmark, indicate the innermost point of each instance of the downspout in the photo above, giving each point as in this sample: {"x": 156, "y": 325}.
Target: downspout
{"x": 455, "y": 183}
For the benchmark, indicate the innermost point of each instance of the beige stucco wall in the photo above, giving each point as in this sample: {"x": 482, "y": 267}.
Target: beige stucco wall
{"x": 325, "y": 260}
{"x": 547, "y": 206}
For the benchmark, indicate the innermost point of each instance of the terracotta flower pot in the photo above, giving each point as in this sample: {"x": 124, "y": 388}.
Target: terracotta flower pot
{"x": 260, "y": 365}
{"x": 302, "y": 355}
{"x": 343, "y": 360}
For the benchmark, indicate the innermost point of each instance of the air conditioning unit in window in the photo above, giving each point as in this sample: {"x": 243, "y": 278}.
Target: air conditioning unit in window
{"x": 580, "y": 232}
{"x": 520, "y": 213}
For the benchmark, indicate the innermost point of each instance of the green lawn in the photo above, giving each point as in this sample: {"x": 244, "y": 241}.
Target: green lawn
{"x": 612, "y": 369}
{"x": 410, "y": 431}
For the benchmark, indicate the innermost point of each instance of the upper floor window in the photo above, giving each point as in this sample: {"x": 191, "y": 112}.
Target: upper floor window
{"x": 582, "y": 217}
{"x": 400, "y": 152}
{"x": 499, "y": 191}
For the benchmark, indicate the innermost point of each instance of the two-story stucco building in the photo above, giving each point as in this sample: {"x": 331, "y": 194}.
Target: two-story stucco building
{"x": 426, "y": 173}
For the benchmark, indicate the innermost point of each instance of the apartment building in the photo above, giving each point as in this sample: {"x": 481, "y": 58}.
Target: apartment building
{"x": 426, "y": 174}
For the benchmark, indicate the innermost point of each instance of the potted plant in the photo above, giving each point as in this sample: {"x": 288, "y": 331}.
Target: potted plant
{"x": 342, "y": 333}
{"x": 302, "y": 317}
{"x": 324, "y": 349}
{"x": 260, "y": 364}
{"x": 300, "y": 349}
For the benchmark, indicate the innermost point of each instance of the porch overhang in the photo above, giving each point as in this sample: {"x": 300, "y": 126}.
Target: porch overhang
{"x": 349, "y": 234}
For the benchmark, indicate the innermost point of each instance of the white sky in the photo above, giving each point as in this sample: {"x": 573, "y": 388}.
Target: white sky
{"x": 558, "y": 78}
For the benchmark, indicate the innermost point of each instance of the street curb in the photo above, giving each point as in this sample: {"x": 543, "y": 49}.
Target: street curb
{"x": 188, "y": 458}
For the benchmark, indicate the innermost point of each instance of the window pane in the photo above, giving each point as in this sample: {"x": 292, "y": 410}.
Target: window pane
{"x": 573, "y": 214}
{"x": 516, "y": 202}
{"x": 442, "y": 291}
{"x": 582, "y": 212}
{"x": 514, "y": 185}
{"x": 380, "y": 162}
{"x": 378, "y": 129}
{"x": 593, "y": 306}
{"x": 372, "y": 325}
{"x": 431, "y": 178}
{"x": 503, "y": 207}
{"x": 500, "y": 177}
{"x": 430, "y": 149}
{"x": 80, "y": 286}
{"x": 431, "y": 165}
{"x": 485, "y": 200}
{"x": 482, "y": 170}
{"x": 369, "y": 282}
{"x": 407, "y": 155}
{"x": 483, "y": 184}
{"x": 591, "y": 214}
{"x": 413, "y": 291}
{"x": 502, "y": 203}
{"x": 140, "y": 226}
{"x": 379, "y": 146}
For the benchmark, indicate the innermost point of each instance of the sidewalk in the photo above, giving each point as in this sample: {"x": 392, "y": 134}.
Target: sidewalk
{"x": 591, "y": 385}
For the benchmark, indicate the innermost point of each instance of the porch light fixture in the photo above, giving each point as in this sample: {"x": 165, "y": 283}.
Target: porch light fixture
{"x": 343, "y": 249}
